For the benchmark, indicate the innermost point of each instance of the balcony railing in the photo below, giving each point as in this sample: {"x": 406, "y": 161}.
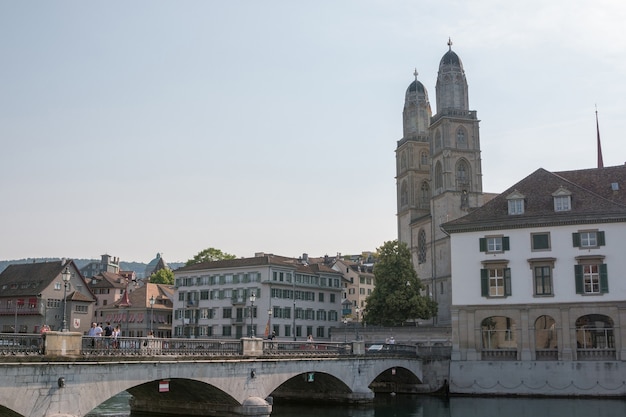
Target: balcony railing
{"x": 595, "y": 354}
{"x": 499, "y": 354}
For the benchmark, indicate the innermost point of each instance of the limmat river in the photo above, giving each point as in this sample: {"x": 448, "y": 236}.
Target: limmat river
{"x": 425, "y": 406}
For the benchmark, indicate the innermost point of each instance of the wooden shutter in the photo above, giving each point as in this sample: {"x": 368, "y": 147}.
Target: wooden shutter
{"x": 507, "y": 281}
{"x": 578, "y": 276}
{"x": 484, "y": 282}
{"x": 604, "y": 279}
{"x": 505, "y": 243}
{"x": 482, "y": 243}
{"x": 576, "y": 240}
{"x": 601, "y": 241}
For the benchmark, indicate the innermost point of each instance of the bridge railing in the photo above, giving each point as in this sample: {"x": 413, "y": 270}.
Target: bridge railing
{"x": 151, "y": 346}
{"x": 20, "y": 344}
{"x": 290, "y": 348}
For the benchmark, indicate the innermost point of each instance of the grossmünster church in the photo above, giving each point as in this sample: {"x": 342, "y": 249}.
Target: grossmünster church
{"x": 438, "y": 174}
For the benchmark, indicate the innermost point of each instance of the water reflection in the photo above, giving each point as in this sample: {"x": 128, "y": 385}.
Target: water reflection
{"x": 420, "y": 406}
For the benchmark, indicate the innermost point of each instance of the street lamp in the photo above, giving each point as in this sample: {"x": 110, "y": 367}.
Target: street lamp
{"x": 151, "y": 312}
{"x": 252, "y": 299}
{"x": 66, "y": 275}
{"x": 345, "y": 330}
{"x": 269, "y": 322}
{"x": 356, "y": 326}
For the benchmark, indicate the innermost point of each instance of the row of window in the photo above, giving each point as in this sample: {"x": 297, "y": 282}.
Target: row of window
{"x": 239, "y": 331}
{"x": 241, "y": 313}
{"x": 583, "y": 239}
{"x": 590, "y": 278}
{"x": 562, "y": 201}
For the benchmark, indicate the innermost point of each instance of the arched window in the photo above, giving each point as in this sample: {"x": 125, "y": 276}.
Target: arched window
{"x": 421, "y": 247}
{"x": 424, "y": 201}
{"x": 404, "y": 194}
{"x": 545, "y": 338}
{"x": 403, "y": 160}
{"x": 462, "y": 175}
{"x": 438, "y": 143}
{"x": 424, "y": 158}
{"x": 438, "y": 176}
{"x": 595, "y": 339}
{"x": 461, "y": 141}
{"x": 499, "y": 338}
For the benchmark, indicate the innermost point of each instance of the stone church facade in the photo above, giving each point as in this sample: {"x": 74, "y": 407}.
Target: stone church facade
{"x": 438, "y": 174}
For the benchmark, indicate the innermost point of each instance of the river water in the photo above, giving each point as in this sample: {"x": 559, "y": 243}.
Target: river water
{"x": 426, "y": 406}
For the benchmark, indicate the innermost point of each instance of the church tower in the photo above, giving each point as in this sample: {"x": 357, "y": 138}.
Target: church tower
{"x": 444, "y": 181}
{"x": 413, "y": 160}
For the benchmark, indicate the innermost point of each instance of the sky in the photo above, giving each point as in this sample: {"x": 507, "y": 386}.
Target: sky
{"x": 144, "y": 127}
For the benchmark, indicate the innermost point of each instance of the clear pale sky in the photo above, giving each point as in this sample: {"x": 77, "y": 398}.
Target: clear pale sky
{"x": 131, "y": 128}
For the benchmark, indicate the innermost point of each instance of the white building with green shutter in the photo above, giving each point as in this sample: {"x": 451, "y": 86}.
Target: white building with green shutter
{"x": 539, "y": 286}
{"x": 255, "y": 297}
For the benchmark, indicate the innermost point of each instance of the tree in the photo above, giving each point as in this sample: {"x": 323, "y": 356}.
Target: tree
{"x": 162, "y": 276}
{"x": 396, "y": 297}
{"x": 209, "y": 255}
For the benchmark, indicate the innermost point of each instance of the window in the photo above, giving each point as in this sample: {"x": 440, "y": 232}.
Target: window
{"x": 562, "y": 200}
{"x": 591, "y": 275}
{"x": 227, "y": 313}
{"x": 460, "y": 138}
{"x": 424, "y": 200}
{"x": 562, "y": 203}
{"x": 421, "y": 247}
{"x": 462, "y": 175}
{"x": 404, "y": 194}
{"x": 542, "y": 276}
{"x": 540, "y": 241}
{"x": 516, "y": 206}
{"x": 495, "y": 280}
{"x": 516, "y": 203}
{"x": 494, "y": 244}
{"x": 424, "y": 158}
{"x": 588, "y": 239}
{"x": 438, "y": 176}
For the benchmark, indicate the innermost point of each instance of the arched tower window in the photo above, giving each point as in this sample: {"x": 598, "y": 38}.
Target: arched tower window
{"x": 404, "y": 194}
{"x": 461, "y": 140}
{"x": 424, "y": 158}
{"x": 462, "y": 175}
{"x": 438, "y": 176}
{"x": 421, "y": 247}
{"x": 438, "y": 143}
{"x": 424, "y": 200}
{"x": 403, "y": 160}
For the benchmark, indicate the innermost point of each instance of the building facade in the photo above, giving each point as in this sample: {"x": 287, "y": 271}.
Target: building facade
{"x": 35, "y": 294}
{"x": 255, "y": 297}
{"x": 538, "y": 272}
{"x": 438, "y": 175}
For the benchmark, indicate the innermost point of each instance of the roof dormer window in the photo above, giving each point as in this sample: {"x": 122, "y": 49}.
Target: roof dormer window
{"x": 516, "y": 203}
{"x": 562, "y": 200}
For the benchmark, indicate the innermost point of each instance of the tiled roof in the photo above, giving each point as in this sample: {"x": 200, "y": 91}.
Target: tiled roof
{"x": 260, "y": 261}
{"x": 28, "y": 279}
{"x": 592, "y": 200}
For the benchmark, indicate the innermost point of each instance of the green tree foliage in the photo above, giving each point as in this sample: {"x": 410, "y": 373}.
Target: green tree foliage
{"x": 162, "y": 276}
{"x": 209, "y": 255}
{"x": 396, "y": 297}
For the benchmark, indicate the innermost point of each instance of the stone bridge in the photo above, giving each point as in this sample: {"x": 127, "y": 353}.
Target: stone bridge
{"x": 230, "y": 385}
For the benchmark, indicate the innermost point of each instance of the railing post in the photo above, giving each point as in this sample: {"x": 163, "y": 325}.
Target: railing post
{"x": 62, "y": 344}
{"x": 252, "y": 346}
{"x": 358, "y": 347}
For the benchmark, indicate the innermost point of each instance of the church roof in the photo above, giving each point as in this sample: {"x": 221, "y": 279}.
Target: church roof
{"x": 450, "y": 58}
{"x": 416, "y": 85}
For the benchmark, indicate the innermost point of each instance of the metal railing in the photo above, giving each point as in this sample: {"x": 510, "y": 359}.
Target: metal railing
{"x": 283, "y": 348}
{"x": 150, "y": 346}
{"x": 21, "y": 344}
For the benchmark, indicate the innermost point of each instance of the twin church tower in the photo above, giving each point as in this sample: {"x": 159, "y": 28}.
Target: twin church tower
{"x": 438, "y": 174}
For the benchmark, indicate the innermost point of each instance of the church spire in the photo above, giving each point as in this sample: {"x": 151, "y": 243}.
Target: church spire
{"x": 600, "y": 161}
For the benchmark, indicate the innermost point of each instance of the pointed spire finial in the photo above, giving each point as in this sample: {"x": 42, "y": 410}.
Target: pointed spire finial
{"x": 449, "y": 44}
{"x": 600, "y": 161}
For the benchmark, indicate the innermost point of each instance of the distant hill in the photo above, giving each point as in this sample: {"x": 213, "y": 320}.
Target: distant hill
{"x": 138, "y": 267}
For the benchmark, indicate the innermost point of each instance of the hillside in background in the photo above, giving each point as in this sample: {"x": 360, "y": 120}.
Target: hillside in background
{"x": 138, "y": 267}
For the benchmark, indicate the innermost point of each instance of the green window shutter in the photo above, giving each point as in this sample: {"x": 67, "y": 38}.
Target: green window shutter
{"x": 484, "y": 282}
{"x": 601, "y": 241}
{"x": 578, "y": 276}
{"x": 482, "y": 243}
{"x": 507, "y": 281}
{"x": 505, "y": 243}
{"x": 604, "y": 279}
{"x": 576, "y": 239}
